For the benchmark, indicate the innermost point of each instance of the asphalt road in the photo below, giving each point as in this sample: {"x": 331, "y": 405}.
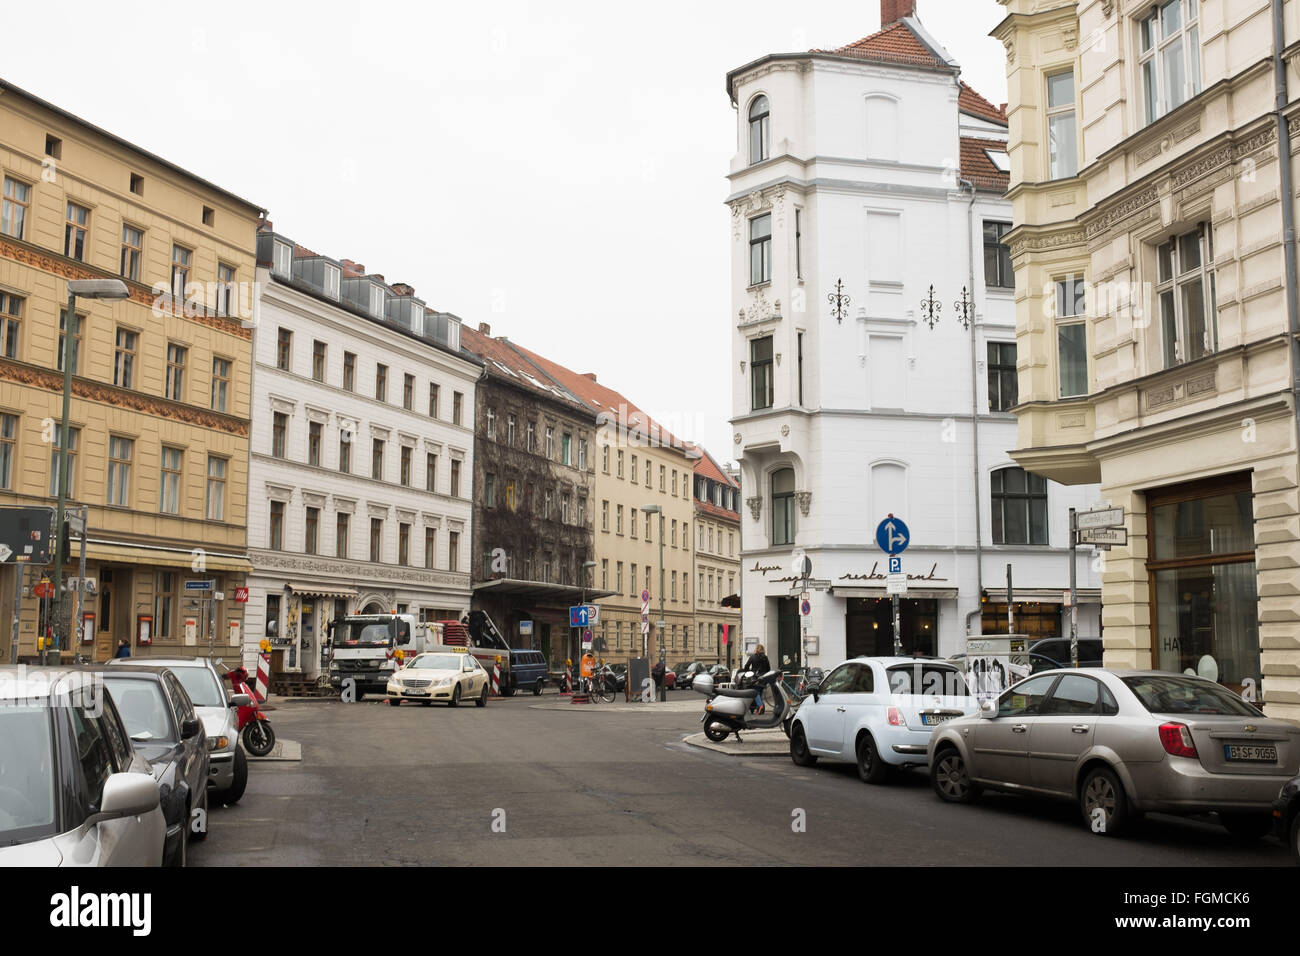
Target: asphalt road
{"x": 512, "y": 784}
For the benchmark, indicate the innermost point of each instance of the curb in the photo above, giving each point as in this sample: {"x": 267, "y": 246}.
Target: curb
{"x": 755, "y": 744}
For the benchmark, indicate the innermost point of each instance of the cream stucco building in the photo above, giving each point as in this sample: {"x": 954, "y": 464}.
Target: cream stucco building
{"x": 1155, "y": 344}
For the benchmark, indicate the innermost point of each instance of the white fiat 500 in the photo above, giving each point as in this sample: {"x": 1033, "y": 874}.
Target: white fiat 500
{"x": 878, "y": 712}
{"x": 445, "y": 677}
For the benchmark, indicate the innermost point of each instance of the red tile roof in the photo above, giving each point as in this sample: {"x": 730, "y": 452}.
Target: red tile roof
{"x": 505, "y": 363}
{"x": 968, "y": 101}
{"x": 707, "y": 467}
{"x": 709, "y": 508}
{"x": 896, "y": 43}
{"x": 978, "y": 168}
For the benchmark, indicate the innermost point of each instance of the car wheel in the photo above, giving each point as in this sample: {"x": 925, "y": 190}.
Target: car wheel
{"x": 240, "y": 781}
{"x": 1247, "y": 827}
{"x": 455, "y": 696}
{"x": 537, "y": 688}
{"x": 394, "y": 702}
{"x": 1103, "y": 802}
{"x": 717, "y": 732}
{"x": 799, "y": 752}
{"x": 950, "y": 778}
{"x": 482, "y": 698}
{"x": 871, "y": 768}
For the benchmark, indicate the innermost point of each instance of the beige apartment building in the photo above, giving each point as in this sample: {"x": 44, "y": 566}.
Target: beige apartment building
{"x": 1156, "y": 317}
{"x": 159, "y": 420}
{"x": 717, "y": 564}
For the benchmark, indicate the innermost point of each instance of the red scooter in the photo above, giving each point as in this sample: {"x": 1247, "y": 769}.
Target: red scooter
{"x": 254, "y": 726}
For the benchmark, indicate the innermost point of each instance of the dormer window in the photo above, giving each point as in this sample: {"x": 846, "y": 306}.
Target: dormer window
{"x": 377, "y": 301}
{"x": 417, "y": 318}
{"x": 332, "y": 274}
{"x": 282, "y": 263}
{"x": 759, "y": 133}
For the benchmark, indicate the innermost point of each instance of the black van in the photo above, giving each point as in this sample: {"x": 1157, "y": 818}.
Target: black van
{"x": 527, "y": 670}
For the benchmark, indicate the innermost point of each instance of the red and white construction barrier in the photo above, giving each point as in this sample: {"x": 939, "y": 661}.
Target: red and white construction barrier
{"x": 263, "y": 684}
{"x": 496, "y": 680}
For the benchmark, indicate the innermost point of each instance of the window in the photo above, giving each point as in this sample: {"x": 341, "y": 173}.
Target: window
{"x": 453, "y": 550}
{"x": 491, "y": 422}
{"x": 550, "y": 445}
{"x": 760, "y": 367}
{"x": 124, "y": 358}
{"x": 345, "y": 451}
{"x": 582, "y": 454}
{"x": 546, "y": 504}
{"x": 430, "y": 471}
{"x": 275, "y": 540}
{"x": 512, "y": 498}
{"x": 566, "y": 449}
{"x": 342, "y": 527}
{"x": 1185, "y": 290}
{"x": 279, "y": 434}
{"x": 633, "y": 584}
{"x": 1169, "y": 56}
{"x": 136, "y": 184}
{"x": 798, "y": 243}
{"x": 618, "y": 577}
{"x": 455, "y": 478}
{"x": 381, "y": 382}
{"x": 377, "y": 301}
{"x": 633, "y": 518}
{"x": 403, "y": 543}
{"x": 164, "y": 610}
{"x": 604, "y": 459}
{"x": 282, "y": 259}
{"x": 1071, "y": 337}
{"x": 783, "y": 506}
{"x": 74, "y": 440}
{"x": 92, "y": 748}
{"x": 408, "y": 392}
{"x": 220, "y": 383}
{"x": 311, "y": 535}
{"x": 564, "y": 509}
{"x": 674, "y": 493}
{"x": 759, "y": 114}
{"x": 350, "y": 371}
{"x": 1062, "y": 135}
{"x": 132, "y": 249}
{"x": 634, "y": 468}
{"x": 216, "y": 491}
{"x": 180, "y": 270}
{"x": 997, "y": 257}
{"x": 405, "y": 465}
{"x": 489, "y": 490}
{"x": 11, "y": 314}
{"x": 283, "y": 349}
{"x": 13, "y": 208}
{"x": 1019, "y": 507}
{"x": 604, "y": 574}
{"x": 619, "y": 469}
{"x": 120, "y": 453}
{"x": 376, "y": 539}
{"x": 430, "y": 546}
{"x": 760, "y": 249}
{"x": 77, "y": 330}
{"x": 647, "y": 473}
{"x": 457, "y": 403}
{"x": 377, "y": 459}
{"x": 663, "y": 473}
{"x": 618, "y": 519}
{"x": 225, "y": 288}
{"x": 604, "y": 515}
{"x": 433, "y": 400}
{"x": 174, "y": 383}
{"x": 673, "y": 539}
{"x": 1002, "y": 376}
{"x": 169, "y": 492}
{"x": 582, "y": 510}
{"x": 209, "y": 216}
{"x": 74, "y": 232}
{"x": 510, "y": 430}
{"x": 318, "y": 360}
{"x": 315, "y": 432}
{"x": 8, "y": 442}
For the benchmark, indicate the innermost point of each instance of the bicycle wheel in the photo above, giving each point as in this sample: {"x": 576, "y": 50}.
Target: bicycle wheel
{"x": 603, "y": 692}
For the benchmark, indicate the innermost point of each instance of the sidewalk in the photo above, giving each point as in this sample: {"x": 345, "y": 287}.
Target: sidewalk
{"x": 771, "y": 742}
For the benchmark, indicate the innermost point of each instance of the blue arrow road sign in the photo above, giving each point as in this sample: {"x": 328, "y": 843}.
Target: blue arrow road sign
{"x": 892, "y": 535}
{"x": 578, "y": 615}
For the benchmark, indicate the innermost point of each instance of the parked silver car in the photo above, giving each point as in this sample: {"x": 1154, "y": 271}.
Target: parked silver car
{"x": 1122, "y": 743}
{"x": 227, "y": 762}
{"x": 73, "y": 790}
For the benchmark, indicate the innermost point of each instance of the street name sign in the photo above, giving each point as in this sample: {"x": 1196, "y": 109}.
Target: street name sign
{"x": 1106, "y": 536}
{"x": 1102, "y": 518}
{"x": 208, "y": 585}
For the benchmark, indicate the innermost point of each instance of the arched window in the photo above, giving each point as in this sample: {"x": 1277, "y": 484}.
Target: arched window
{"x": 1019, "y": 507}
{"x": 758, "y": 130}
{"x": 783, "y": 506}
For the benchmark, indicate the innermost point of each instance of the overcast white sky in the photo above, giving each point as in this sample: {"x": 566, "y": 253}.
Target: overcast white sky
{"x": 555, "y": 169}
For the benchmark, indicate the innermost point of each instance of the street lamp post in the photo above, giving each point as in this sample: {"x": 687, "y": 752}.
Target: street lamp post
{"x": 656, "y": 510}
{"x": 110, "y": 289}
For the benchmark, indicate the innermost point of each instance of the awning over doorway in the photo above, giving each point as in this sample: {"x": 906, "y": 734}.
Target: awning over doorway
{"x": 1044, "y": 595}
{"x": 322, "y": 591}
{"x": 115, "y": 553}
{"x": 538, "y": 591}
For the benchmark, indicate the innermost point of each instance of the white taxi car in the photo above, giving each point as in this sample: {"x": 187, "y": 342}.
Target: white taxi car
{"x": 445, "y": 676}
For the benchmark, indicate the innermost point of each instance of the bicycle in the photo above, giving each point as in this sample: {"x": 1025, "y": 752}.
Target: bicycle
{"x": 597, "y": 688}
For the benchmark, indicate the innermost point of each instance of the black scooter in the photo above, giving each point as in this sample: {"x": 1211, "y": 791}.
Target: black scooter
{"x": 727, "y": 710}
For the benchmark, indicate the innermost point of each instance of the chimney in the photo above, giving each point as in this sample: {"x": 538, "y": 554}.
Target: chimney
{"x": 401, "y": 288}
{"x": 485, "y": 329}
{"x": 590, "y": 375}
{"x": 351, "y": 266}
{"x": 891, "y": 11}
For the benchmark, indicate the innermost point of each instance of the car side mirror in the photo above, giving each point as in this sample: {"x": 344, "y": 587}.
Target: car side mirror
{"x": 814, "y": 688}
{"x": 241, "y": 700}
{"x": 126, "y": 794}
{"x": 988, "y": 708}
{"x": 190, "y": 728}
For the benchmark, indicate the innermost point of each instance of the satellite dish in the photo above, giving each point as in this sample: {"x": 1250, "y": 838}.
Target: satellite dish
{"x": 1208, "y": 668}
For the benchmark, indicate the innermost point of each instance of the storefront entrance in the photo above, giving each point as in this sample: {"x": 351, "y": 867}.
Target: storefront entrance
{"x": 869, "y": 626}
{"x": 787, "y": 635}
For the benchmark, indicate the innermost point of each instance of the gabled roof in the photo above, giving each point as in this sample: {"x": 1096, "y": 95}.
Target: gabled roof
{"x": 708, "y": 467}
{"x": 900, "y": 42}
{"x": 968, "y": 101}
{"x": 978, "y": 168}
{"x": 503, "y": 362}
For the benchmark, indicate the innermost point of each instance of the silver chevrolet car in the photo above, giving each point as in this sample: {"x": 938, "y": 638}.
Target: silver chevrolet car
{"x": 1121, "y": 743}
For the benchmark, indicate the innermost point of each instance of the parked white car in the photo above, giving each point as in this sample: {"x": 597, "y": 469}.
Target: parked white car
{"x": 878, "y": 712}
{"x": 73, "y": 790}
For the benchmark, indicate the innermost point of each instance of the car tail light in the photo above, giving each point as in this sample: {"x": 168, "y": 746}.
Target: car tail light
{"x": 1177, "y": 740}
{"x": 896, "y": 718}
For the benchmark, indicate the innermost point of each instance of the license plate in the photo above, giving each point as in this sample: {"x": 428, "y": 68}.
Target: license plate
{"x": 415, "y": 693}
{"x": 1259, "y": 753}
{"x": 929, "y": 720}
